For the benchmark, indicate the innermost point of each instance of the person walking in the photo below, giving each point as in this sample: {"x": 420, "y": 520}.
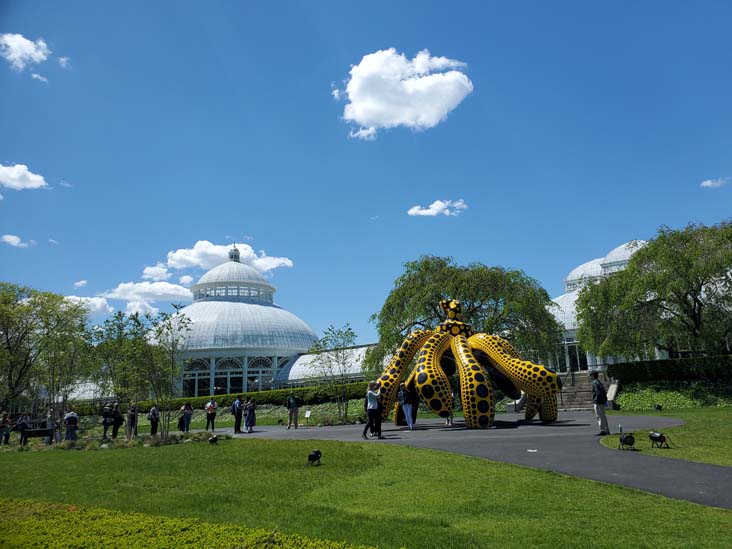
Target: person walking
{"x": 251, "y": 410}
{"x": 293, "y": 404}
{"x": 373, "y": 396}
{"x": 237, "y": 410}
{"x": 404, "y": 397}
{"x": 153, "y": 417}
{"x": 187, "y": 412}
{"x": 599, "y": 400}
{"x": 211, "y": 408}
{"x": 117, "y": 419}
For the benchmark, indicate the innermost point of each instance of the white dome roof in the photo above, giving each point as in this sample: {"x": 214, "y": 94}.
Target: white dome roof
{"x": 233, "y": 272}
{"x": 247, "y": 326}
{"x": 623, "y": 252}
{"x": 566, "y": 311}
{"x": 590, "y": 269}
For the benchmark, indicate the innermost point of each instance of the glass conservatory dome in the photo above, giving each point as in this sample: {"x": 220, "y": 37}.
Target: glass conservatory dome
{"x": 233, "y": 309}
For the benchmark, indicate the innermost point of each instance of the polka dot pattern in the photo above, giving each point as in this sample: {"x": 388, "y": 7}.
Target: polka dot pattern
{"x": 393, "y": 373}
{"x": 476, "y": 391}
{"x": 535, "y": 380}
{"x": 432, "y": 383}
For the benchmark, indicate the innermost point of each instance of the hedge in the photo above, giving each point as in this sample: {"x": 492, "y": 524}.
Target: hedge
{"x": 317, "y": 394}
{"x": 674, "y": 395}
{"x": 41, "y": 524}
{"x": 679, "y": 369}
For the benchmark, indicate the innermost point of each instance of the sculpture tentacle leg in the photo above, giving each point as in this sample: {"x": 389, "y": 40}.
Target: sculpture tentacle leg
{"x": 548, "y": 410}
{"x": 394, "y": 372}
{"x": 535, "y": 380}
{"x": 532, "y": 406}
{"x": 432, "y": 383}
{"x": 476, "y": 391}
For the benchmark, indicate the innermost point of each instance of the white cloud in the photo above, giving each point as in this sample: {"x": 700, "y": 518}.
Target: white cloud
{"x": 149, "y": 292}
{"x": 13, "y": 240}
{"x": 157, "y": 272}
{"x": 94, "y": 305}
{"x": 440, "y": 207}
{"x": 36, "y": 76}
{"x": 66, "y": 184}
{"x": 19, "y": 51}
{"x": 1, "y": 197}
{"x": 80, "y": 283}
{"x": 186, "y": 280}
{"x": 715, "y": 183}
{"x": 65, "y": 62}
{"x": 207, "y": 255}
{"x": 19, "y": 177}
{"x": 52, "y": 241}
{"x": 387, "y": 90}
{"x": 141, "y": 307}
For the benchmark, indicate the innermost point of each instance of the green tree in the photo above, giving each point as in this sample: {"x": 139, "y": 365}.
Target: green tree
{"x": 332, "y": 364}
{"x": 494, "y": 300}
{"x": 66, "y": 356}
{"x": 675, "y": 294}
{"x": 169, "y": 333}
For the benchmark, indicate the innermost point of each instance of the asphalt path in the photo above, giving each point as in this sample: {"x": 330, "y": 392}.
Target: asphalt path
{"x": 569, "y": 446}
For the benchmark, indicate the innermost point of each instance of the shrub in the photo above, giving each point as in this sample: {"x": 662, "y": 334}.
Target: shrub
{"x": 680, "y": 369}
{"x": 674, "y": 395}
{"x": 40, "y": 524}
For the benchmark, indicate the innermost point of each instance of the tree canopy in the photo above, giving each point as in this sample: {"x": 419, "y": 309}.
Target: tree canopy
{"x": 675, "y": 294}
{"x": 494, "y": 300}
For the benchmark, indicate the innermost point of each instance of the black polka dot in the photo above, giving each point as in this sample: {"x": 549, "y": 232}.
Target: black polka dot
{"x": 483, "y": 406}
{"x": 481, "y": 391}
{"x": 483, "y": 421}
{"x": 479, "y": 377}
{"x": 428, "y": 392}
{"x": 435, "y": 403}
{"x": 421, "y": 378}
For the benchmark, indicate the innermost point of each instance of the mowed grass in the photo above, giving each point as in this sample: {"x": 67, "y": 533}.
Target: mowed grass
{"x": 705, "y": 437}
{"x": 373, "y": 494}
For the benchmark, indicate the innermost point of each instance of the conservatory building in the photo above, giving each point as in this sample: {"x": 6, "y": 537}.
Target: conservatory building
{"x": 239, "y": 339}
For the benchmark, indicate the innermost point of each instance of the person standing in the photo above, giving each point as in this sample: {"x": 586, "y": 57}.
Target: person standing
{"x": 599, "y": 400}
{"x": 210, "y": 408}
{"x": 5, "y": 428}
{"x": 373, "y": 396}
{"x": 292, "y": 404}
{"x": 404, "y": 397}
{"x": 71, "y": 421}
{"x": 236, "y": 409}
{"x": 251, "y": 411}
{"x": 132, "y": 422}
{"x": 106, "y": 420}
{"x": 117, "y": 419}
{"x": 50, "y": 427}
{"x": 154, "y": 417}
{"x": 187, "y": 415}
{"x": 22, "y": 425}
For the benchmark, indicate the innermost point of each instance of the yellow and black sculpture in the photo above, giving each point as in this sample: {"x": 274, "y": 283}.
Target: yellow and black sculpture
{"x": 478, "y": 359}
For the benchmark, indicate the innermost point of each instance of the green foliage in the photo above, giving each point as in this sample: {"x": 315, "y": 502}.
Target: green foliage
{"x": 494, "y": 300}
{"x": 316, "y": 394}
{"x": 675, "y": 294}
{"x": 38, "y": 524}
{"x": 673, "y": 395}
{"x": 709, "y": 368}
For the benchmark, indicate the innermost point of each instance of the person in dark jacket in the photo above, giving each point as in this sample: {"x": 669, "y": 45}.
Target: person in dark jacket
{"x": 599, "y": 400}
{"x": 237, "y": 410}
{"x": 107, "y": 420}
{"x": 250, "y": 407}
{"x": 154, "y": 417}
{"x": 117, "y": 419}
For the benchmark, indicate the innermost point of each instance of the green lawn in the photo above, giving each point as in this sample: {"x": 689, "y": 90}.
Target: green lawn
{"x": 373, "y": 494}
{"x": 706, "y": 437}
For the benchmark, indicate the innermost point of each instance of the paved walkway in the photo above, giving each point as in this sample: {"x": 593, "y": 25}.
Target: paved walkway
{"x": 568, "y": 446}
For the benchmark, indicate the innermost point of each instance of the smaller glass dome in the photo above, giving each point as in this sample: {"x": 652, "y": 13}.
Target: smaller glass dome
{"x": 583, "y": 274}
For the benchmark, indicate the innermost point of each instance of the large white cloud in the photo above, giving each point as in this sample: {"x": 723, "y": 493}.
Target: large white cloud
{"x": 19, "y": 177}
{"x": 19, "y": 51}
{"x": 13, "y": 240}
{"x": 95, "y": 305}
{"x": 386, "y": 90}
{"x": 149, "y": 292}
{"x": 141, "y": 307}
{"x": 439, "y": 207}
{"x": 207, "y": 255}
{"x": 156, "y": 272}
{"x": 186, "y": 280}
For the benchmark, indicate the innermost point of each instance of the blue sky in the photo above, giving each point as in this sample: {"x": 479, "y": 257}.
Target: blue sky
{"x": 565, "y": 128}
